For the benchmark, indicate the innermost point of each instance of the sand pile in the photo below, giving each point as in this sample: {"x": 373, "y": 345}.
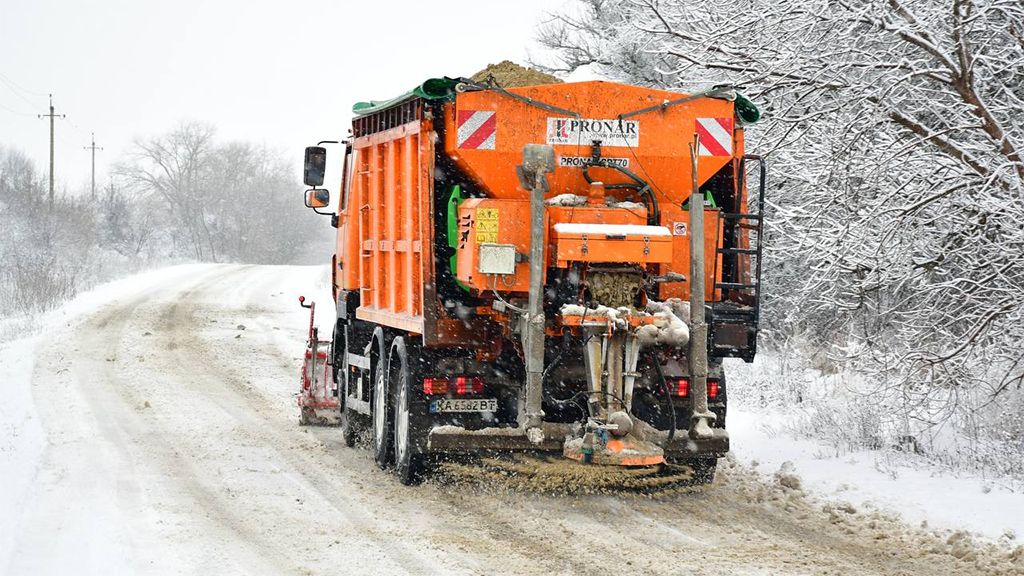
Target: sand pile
{"x": 508, "y": 74}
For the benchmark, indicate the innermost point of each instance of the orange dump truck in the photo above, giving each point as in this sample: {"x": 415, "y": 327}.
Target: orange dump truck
{"x": 513, "y": 271}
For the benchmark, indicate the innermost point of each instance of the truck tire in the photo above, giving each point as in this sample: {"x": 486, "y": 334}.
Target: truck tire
{"x": 383, "y": 422}
{"x": 410, "y": 418}
{"x": 349, "y": 429}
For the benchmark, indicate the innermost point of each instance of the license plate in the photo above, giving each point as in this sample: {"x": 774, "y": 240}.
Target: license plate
{"x": 464, "y": 405}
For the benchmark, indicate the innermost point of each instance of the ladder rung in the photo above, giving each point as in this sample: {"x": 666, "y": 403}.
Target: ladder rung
{"x": 735, "y": 285}
{"x": 740, "y": 216}
{"x": 747, "y": 226}
{"x": 737, "y": 250}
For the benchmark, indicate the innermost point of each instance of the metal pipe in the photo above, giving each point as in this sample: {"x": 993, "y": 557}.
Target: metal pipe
{"x": 593, "y": 360}
{"x": 613, "y": 359}
{"x": 701, "y": 418}
{"x": 538, "y": 162}
{"x": 630, "y": 374}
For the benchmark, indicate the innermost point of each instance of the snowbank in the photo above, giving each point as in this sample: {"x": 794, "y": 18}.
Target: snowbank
{"x": 884, "y": 479}
{"x": 22, "y": 439}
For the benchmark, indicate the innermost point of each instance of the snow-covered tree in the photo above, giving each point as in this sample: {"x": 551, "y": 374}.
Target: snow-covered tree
{"x": 894, "y": 135}
{"x": 225, "y": 202}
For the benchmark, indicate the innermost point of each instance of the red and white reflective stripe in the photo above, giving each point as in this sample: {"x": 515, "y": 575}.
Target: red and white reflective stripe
{"x": 477, "y": 129}
{"x": 715, "y": 136}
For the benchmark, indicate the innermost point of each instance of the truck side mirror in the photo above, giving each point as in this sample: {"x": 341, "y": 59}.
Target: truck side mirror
{"x": 315, "y": 166}
{"x": 318, "y": 198}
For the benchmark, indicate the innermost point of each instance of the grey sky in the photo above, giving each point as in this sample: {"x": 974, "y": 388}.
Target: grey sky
{"x": 280, "y": 73}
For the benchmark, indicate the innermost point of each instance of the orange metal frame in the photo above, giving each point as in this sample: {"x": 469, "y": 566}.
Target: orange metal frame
{"x": 386, "y": 221}
{"x": 385, "y": 227}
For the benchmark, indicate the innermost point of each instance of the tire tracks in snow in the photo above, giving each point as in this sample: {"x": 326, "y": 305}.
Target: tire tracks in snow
{"x": 188, "y": 434}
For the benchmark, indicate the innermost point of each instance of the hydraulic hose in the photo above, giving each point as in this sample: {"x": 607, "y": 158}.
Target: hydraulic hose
{"x": 668, "y": 395}
{"x": 642, "y": 188}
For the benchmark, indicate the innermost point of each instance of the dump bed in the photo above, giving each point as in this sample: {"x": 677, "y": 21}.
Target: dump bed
{"x": 441, "y": 161}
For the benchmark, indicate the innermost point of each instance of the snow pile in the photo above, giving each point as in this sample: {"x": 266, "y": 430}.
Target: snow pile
{"x": 941, "y": 551}
{"x": 615, "y": 315}
{"x": 586, "y": 73}
{"x": 573, "y": 200}
{"x": 781, "y": 418}
{"x": 566, "y": 200}
{"x": 624, "y": 204}
{"x": 21, "y": 437}
{"x": 611, "y": 229}
{"x": 668, "y": 327}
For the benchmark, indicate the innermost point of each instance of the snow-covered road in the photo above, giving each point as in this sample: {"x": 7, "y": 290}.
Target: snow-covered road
{"x": 167, "y": 443}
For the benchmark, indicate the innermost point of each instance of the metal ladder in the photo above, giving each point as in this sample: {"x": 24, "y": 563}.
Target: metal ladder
{"x": 734, "y": 319}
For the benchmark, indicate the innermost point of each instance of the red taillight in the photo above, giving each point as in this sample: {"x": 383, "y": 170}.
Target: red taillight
{"x": 435, "y": 385}
{"x": 469, "y": 385}
{"x": 457, "y": 385}
{"x": 681, "y": 387}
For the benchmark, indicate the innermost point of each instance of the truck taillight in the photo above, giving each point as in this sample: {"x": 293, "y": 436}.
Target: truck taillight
{"x": 457, "y": 385}
{"x": 681, "y": 387}
{"x": 435, "y": 385}
{"x": 469, "y": 385}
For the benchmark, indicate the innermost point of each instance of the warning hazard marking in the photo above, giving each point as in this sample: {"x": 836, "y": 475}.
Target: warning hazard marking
{"x": 477, "y": 129}
{"x": 487, "y": 225}
{"x": 715, "y": 136}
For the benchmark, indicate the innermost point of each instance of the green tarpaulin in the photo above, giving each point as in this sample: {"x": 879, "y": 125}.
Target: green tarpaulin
{"x": 444, "y": 88}
{"x": 432, "y": 89}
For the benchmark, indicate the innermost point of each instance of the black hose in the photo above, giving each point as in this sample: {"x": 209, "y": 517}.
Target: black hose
{"x": 668, "y": 396}
{"x": 590, "y": 393}
{"x": 557, "y": 358}
{"x": 642, "y": 188}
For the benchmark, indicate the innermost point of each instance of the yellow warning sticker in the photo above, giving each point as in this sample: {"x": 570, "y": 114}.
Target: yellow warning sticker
{"x": 487, "y": 225}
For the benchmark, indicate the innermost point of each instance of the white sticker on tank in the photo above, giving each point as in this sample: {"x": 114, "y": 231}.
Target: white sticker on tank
{"x": 583, "y": 131}
{"x": 580, "y": 161}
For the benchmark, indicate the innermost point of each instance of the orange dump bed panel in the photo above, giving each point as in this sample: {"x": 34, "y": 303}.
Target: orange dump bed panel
{"x": 387, "y": 252}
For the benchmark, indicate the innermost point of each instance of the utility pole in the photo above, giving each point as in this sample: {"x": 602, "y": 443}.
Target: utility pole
{"x": 94, "y": 148}
{"x": 51, "y": 116}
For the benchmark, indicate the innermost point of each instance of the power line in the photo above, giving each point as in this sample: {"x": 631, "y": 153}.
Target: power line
{"x": 18, "y": 90}
{"x": 51, "y": 116}
{"x": 7, "y": 79}
{"x": 13, "y": 111}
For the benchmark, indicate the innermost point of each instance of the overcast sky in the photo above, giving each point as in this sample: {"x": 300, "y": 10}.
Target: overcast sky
{"x": 284, "y": 73}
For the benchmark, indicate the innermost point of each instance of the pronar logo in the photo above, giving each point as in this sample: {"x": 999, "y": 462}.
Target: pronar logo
{"x": 580, "y": 161}
{"x": 584, "y": 131}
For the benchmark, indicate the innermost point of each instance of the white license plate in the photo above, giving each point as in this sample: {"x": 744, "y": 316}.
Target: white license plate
{"x": 464, "y": 405}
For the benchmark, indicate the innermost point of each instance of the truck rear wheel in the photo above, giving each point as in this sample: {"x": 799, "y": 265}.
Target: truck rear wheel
{"x": 410, "y": 418}
{"x": 383, "y": 424}
{"x": 349, "y": 428}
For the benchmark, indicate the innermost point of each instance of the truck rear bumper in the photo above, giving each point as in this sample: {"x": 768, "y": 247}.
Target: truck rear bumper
{"x": 682, "y": 446}
{"x": 458, "y": 440}
{"x": 455, "y": 439}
